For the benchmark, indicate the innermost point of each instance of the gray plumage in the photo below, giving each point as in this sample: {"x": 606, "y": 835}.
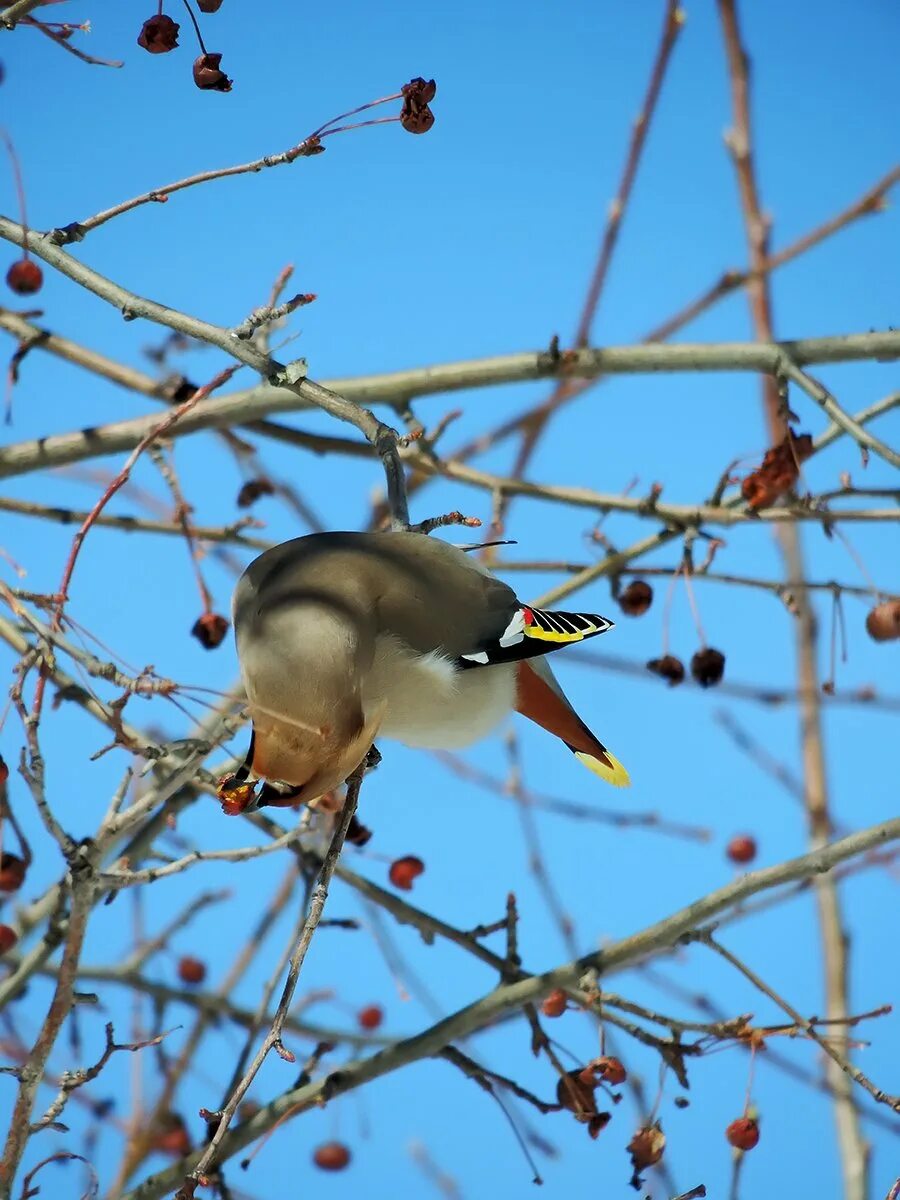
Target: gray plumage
{"x": 344, "y": 635}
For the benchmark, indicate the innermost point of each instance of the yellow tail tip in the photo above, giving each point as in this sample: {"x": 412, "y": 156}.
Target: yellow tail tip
{"x": 614, "y": 773}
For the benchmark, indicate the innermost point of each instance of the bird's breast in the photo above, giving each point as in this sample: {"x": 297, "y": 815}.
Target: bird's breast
{"x": 432, "y": 704}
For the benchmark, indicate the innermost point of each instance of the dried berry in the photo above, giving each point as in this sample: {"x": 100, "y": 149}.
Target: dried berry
{"x": 210, "y": 630}
{"x": 4, "y": 771}
{"x": 12, "y": 872}
{"x": 404, "y": 870}
{"x": 669, "y": 667}
{"x": 159, "y": 34}
{"x": 646, "y": 1148}
{"x": 357, "y": 833}
{"x": 883, "y": 621}
{"x": 576, "y": 1094}
{"x": 778, "y": 472}
{"x": 598, "y": 1122}
{"x": 172, "y": 1136}
{"x": 25, "y": 277}
{"x": 416, "y": 116}
{"x": 708, "y": 666}
{"x": 8, "y": 938}
{"x": 610, "y": 1070}
{"x": 191, "y": 970}
{"x": 635, "y": 600}
{"x": 209, "y": 6}
{"x": 208, "y": 76}
{"x": 743, "y": 1133}
{"x": 554, "y": 1005}
{"x": 742, "y": 848}
{"x": 252, "y": 490}
{"x": 331, "y": 1156}
{"x": 370, "y": 1017}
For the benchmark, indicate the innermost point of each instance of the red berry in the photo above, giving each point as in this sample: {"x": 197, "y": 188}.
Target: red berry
{"x": 191, "y": 970}
{"x": 25, "y": 277}
{"x": 159, "y": 34}
{"x": 883, "y": 621}
{"x": 610, "y": 1070}
{"x": 4, "y": 771}
{"x": 8, "y": 938}
{"x": 171, "y": 1136}
{"x": 370, "y": 1017}
{"x": 743, "y": 1133}
{"x": 404, "y": 870}
{"x": 209, "y": 6}
{"x": 210, "y": 630}
{"x": 636, "y": 598}
{"x": 331, "y": 1156}
{"x": 742, "y": 848}
{"x": 554, "y": 1004}
{"x": 12, "y": 872}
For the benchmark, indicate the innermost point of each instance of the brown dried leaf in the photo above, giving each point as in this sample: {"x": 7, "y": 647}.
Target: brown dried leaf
{"x": 577, "y": 1095}
{"x": 645, "y": 1148}
{"x": 778, "y": 472}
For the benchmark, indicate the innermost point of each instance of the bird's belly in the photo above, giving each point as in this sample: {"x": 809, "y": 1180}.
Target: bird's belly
{"x": 431, "y": 703}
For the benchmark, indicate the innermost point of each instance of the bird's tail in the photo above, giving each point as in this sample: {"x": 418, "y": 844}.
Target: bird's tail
{"x": 603, "y": 763}
{"x": 540, "y": 698}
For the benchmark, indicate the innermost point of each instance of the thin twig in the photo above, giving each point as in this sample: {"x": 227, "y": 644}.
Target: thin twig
{"x": 853, "y": 1146}
{"x": 808, "y": 1025}
{"x": 273, "y": 1038}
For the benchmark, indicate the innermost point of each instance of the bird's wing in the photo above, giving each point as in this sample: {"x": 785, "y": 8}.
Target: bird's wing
{"x": 532, "y": 632}
{"x": 542, "y": 700}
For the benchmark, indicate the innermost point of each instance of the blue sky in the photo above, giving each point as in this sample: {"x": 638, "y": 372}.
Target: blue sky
{"x": 479, "y": 239}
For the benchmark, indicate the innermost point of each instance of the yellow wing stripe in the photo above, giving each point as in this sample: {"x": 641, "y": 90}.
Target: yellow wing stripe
{"x": 550, "y": 635}
{"x": 614, "y": 774}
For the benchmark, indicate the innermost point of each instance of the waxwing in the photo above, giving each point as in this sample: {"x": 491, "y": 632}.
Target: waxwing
{"x": 343, "y": 637}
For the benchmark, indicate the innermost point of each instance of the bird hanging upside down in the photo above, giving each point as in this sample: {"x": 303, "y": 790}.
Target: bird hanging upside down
{"x": 343, "y": 637}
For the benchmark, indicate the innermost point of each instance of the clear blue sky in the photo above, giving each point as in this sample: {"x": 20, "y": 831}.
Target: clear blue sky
{"x": 479, "y": 239}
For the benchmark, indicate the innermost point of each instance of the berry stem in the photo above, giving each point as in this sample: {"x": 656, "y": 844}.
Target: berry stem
{"x": 667, "y": 610}
{"x": 353, "y": 111}
{"x": 695, "y": 611}
{"x": 861, "y": 566}
{"x": 190, "y": 13}
{"x": 20, "y": 187}
{"x": 750, "y": 1078}
{"x": 357, "y": 125}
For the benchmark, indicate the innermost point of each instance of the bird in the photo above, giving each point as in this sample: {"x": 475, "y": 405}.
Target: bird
{"x": 344, "y": 636}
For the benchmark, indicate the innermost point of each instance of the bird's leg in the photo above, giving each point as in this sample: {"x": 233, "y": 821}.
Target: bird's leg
{"x": 357, "y": 833}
